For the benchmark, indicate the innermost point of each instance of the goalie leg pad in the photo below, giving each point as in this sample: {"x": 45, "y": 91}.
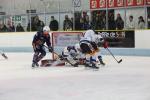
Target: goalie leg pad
{"x": 72, "y": 61}
{"x": 49, "y": 63}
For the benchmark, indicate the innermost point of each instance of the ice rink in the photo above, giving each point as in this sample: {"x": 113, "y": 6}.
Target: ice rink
{"x": 129, "y": 80}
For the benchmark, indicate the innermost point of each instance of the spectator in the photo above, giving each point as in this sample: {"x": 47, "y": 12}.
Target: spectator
{"x": 36, "y": 24}
{"x": 148, "y": 20}
{"x": 40, "y": 25}
{"x": 3, "y": 28}
{"x": 119, "y": 22}
{"x": 100, "y": 23}
{"x": 77, "y": 22}
{"x": 84, "y": 14}
{"x": 19, "y": 28}
{"x": 111, "y": 22}
{"x": 141, "y": 23}
{"x": 130, "y": 23}
{"x": 81, "y": 24}
{"x": 86, "y": 22}
{"x": 53, "y": 24}
{"x": 28, "y": 27}
{"x": 72, "y": 21}
{"x": 10, "y": 26}
{"x": 67, "y": 24}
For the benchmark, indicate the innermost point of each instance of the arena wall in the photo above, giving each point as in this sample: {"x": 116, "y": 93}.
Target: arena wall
{"x": 22, "y": 42}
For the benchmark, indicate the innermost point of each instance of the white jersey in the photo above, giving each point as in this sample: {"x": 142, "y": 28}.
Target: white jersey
{"x": 91, "y": 36}
{"x": 73, "y": 51}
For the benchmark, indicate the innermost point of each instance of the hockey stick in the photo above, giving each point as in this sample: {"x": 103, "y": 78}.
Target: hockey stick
{"x": 112, "y": 53}
{"x": 3, "y": 54}
{"x": 114, "y": 56}
{"x": 64, "y": 59}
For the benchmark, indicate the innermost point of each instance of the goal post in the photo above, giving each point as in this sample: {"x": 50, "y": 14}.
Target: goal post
{"x": 60, "y": 40}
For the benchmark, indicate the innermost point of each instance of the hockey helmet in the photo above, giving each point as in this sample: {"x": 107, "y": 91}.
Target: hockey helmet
{"x": 46, "y": 30}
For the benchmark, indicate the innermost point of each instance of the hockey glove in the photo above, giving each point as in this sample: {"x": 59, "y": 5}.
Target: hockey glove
{"x": 50, "y": 49}
{"x": 61, "y": 57}
{"x": 99, "y": 44}
{"x": 105, "y": 44}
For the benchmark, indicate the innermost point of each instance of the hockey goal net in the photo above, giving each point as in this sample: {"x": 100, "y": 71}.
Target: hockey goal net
{"x": 60, "y": 40}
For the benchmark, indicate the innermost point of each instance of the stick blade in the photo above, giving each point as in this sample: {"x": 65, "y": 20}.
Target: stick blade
{"x": 4, "y": 56}
{"x": 120, "y": 61}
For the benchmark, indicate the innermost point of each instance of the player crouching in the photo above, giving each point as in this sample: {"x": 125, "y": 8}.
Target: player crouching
{"x": 73, "y": 55}
{"x": 40, "y": 38}
{"x": 89, "y": 47}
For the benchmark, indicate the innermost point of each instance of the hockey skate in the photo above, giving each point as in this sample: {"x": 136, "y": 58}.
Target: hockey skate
{"x": 35, "y": 65}
{"x": 101, "y": 61}
{"x": 91, "y": 65}
{"x": 4, "y": 56}
{"x": 94, "y": 66}
{"x": 75, "y": 65}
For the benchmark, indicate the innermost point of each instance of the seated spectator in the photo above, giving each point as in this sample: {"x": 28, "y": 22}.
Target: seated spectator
{"x": 53, "y": 24}
{"x": 119, "y": 22}
{"x": 130, "y": 23}
{"x": 141, "y": 23}
{"x": 19, "y": 28}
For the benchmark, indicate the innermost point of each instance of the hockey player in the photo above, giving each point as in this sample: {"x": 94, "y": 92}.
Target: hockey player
{"x": 73, "y": 54}
{"x": 89, "y": 46}
{"x": 40, "y": 38}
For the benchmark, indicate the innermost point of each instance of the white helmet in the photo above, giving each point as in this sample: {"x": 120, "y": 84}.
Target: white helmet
{"x": 46, "y": 28}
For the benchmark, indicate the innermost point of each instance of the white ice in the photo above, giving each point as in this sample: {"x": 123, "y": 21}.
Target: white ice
{"x": 129, "y": 80}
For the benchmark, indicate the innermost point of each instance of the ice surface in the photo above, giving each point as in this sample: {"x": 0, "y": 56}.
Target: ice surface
{"x": 129, "y": 80}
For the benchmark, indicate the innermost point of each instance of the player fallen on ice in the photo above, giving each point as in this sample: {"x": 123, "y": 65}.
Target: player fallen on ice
{"x": 89, "y": 46}
{"x": 73, "y": 54}
{"x": 40, "y": 38}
